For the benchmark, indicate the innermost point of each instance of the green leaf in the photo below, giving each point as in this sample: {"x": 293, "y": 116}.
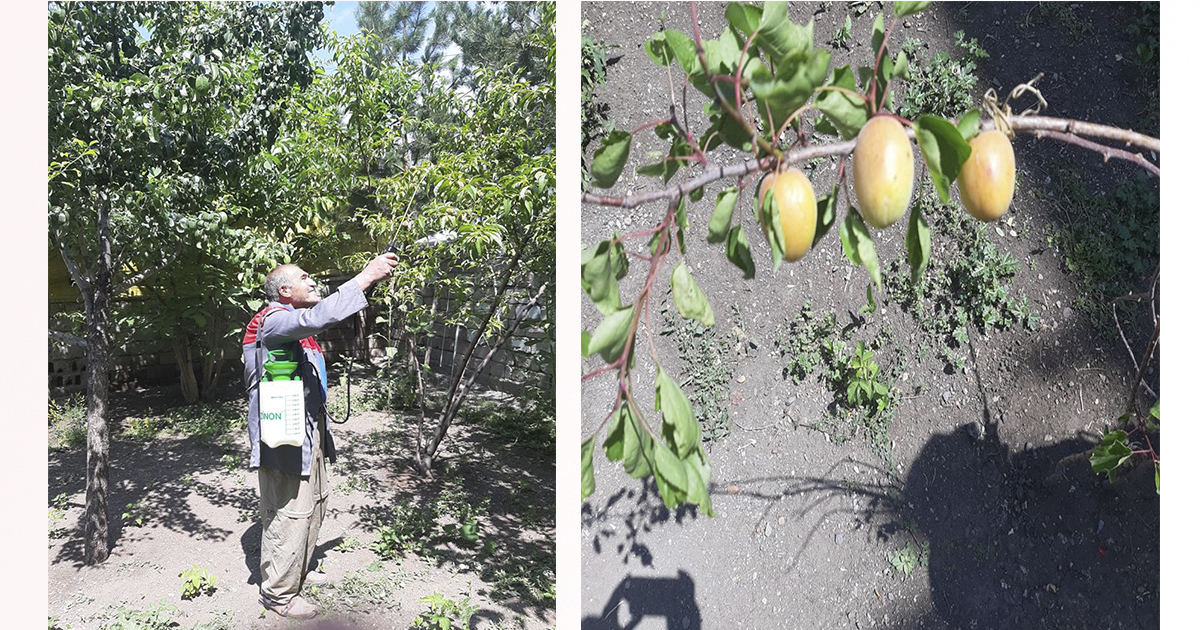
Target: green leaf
{"x": 699, "y": 474}
{"x": 743, "y": 16}
{"x": 679, "y": 423}
{"x": 718, "y": 225}
{"x": 737, "y": 250}
{"x": 1157, "y": 485}
{"x": 858, "y": 246}
{"x": 783, "y": 92}
{"x": 668, "y": 466}
{"x": 639, "y": 446}
{"x": 609, "y": 160}
{"x": 614, "y": 443}
{"x": 824, "y": 126}
{"x": 901, "y": 69}
{"x": 847, "y": 112}
{"x": 696, "y": 195}
{"x": 877, "y": 33}
{"x": 97, "y": 103}
{"x": 1110, "y": 454}
{"x": 657, "y": 49}
{"x": 769, "y": 217}
{"x": 908, "y": 8}
{"x": 733, "y": 134}
{"x": 610, "y": 336}
{"x": 944, "y": 150}
{"x": 826, "y": 215}
{"x": 1154, "y": 411}
{"x": 681, "y": 223}
{"x": 588, "y": 476}
{"x": 587, "y": 341}
{"x": 917, "y": 242}
{"x": 778, "y": 36}
{"x": 968, "y": 124}
{"x": 603, "y": 266}
{"x": 684, "y": 49}
{"x": 688, "y": 298}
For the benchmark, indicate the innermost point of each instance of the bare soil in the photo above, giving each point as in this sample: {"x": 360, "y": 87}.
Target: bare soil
{"x": 202, "y": 510}
{"x": 1002, "y": 527}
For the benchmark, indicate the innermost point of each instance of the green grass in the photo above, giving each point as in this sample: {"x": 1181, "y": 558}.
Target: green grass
{"x": 863, "y": 393}
{"x": 68, "y": 426}
{"x": 968, "y": 282}
{"x": 593, "y": 74}
{"x": 1109, "y": 243}
{"x": 940, "y": 85}
{"x": 203, "y": 422}
{"x": 711, "y": 359}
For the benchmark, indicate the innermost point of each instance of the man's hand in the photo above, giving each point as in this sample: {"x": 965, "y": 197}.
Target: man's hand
{"x": 377, "y": 270}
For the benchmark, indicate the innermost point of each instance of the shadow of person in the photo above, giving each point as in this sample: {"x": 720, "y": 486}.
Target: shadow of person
{"x": 252, "y": 550}
{"x": 1032, "y": 538}
{"x": 672, "y": 599}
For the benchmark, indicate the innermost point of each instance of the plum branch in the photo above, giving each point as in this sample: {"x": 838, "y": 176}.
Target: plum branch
{"x": 1061, "y": 129}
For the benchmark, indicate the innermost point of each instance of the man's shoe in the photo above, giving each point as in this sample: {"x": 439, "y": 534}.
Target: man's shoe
{"x": 316, "y": 578}
{"x": 295, "y": 608}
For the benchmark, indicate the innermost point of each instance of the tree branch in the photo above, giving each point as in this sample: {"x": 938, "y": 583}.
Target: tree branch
{"x": 67, "y": 338}
{"x": 1106, "y": 151}
{"x": 76, "y": 276}
{"x": 132, "y": 281}
{"x": 1038, "y": 125}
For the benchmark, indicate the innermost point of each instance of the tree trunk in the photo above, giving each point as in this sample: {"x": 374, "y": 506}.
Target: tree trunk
{"x": 424, "y": 459}
{"x": 95, "y": 529}
{"x": 187, "y": 372}
{"x": 213, "y": 360}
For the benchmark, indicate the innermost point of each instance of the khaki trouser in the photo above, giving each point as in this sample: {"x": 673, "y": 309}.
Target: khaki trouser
{"x": 292, "y": 508}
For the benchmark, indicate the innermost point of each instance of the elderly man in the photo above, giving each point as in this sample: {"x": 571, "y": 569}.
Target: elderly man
{"x": 292, "y": 479}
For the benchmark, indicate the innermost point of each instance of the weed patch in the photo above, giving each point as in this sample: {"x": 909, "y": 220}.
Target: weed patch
{"x": 967, "y": 283}
{"x": 940, "y": 85}
{"x": 711, "y": 359}
{"x": 1109, "y": 243}
{"x": 68, "y": 427}
{"x": 863, "y": 394}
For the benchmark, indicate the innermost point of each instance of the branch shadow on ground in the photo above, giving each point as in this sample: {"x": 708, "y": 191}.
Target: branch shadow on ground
{"x": 514, "y": 482}
{"x": 648, "y": 513}
{"x": 162, "y": 474}
{"x": 1013, "y": 536}
{"x": 672, "y": 599}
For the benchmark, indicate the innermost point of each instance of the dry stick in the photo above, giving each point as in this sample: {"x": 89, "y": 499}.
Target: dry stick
{"x": 1025, "y": 124}
{"x": 1121, "y": 330}
{"x": 1150, "y": 346}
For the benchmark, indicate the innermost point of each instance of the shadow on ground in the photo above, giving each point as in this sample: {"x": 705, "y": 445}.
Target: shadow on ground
{"x": 671, "y": 599}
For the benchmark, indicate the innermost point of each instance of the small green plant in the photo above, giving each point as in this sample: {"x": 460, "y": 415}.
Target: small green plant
{"x": 356, "y": 592}
{"x": 968, "y": 287}
{"x": 204, "y": 422}
{"x": 904, "y": 561}
{"x": 156, "y": 618}
{"x": 58, "y": 511}
{"x": 1064, "y": 13}
{"x": 865, "y": 388}
{"x": 714, "y": 358}
{"x": 136, "y": 514}
{"x": 348, "y": 544}
{"x": 455, "y": 504}
{"x": 444, "y": 613}
{"x": 231, "y": 462}
{"x": 841, "y": 39}
{"x": 406, "y": 532}
{"x": 1117, "y": 447}
{"x": 942, "y": 86}
{"x": 196, "y": 582}
{"x": 68, "y": 430}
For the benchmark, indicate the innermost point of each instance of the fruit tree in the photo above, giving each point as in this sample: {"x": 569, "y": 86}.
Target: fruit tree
{"x": 769, "y": 93}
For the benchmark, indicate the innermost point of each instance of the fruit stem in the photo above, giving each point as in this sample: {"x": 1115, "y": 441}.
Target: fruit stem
{"x": 878, "y": 59}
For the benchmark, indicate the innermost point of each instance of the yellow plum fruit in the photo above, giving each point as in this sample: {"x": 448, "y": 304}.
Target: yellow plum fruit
{"x": 987, "y": 178}
{"x": 797, "y": 210}
{"x": 883, "y": 171}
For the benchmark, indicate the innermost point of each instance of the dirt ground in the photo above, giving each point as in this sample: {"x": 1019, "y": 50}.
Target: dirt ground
{"x": 811, "y": 532}
{"x": 201, "y": 509}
